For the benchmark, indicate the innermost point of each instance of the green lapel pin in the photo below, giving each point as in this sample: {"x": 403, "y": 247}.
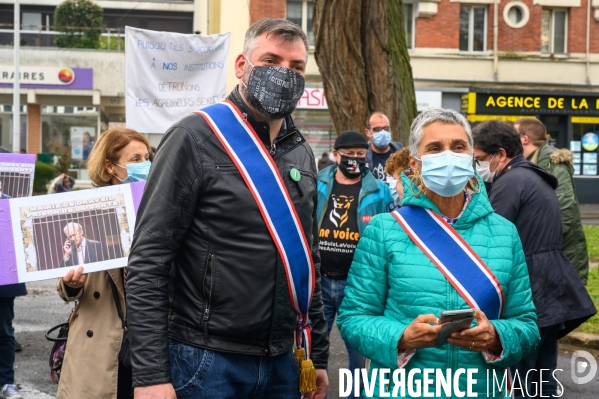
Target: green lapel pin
{"x": 295, "y": 174}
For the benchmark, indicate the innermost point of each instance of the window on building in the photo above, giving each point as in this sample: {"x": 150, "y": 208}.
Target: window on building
{"x": 554, "y": 31}
{"x": 70, "y": 128}
{"x": 6, "y": 127}
{"x": 300, "y": 12}
{"x": 408, "y": 20}
{"x": 473, "y": 28}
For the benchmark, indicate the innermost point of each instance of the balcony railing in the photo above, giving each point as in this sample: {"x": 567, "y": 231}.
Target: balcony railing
{"x": 44, "y": 35}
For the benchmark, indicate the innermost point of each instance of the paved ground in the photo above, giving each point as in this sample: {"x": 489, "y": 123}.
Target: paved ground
{"x": 592, "y": 222}
{"x": 34, "y": 315}
{"x": 42, "y": 309}
{"x": 589, "y": 211}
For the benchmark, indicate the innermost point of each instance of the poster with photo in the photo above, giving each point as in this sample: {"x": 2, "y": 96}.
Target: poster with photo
{"x": 576, "y": 169}
{"x": 82, "y": 141}
{"x": 576, "y": 156}
{"x": 575, "y": 146}
{"x": 16, "y": 175}
{"x": 52, "y": 234}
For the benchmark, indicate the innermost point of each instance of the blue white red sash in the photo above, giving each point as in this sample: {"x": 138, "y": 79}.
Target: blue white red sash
{"x": 268, "y": 189}
{"x": 448, "y": 251}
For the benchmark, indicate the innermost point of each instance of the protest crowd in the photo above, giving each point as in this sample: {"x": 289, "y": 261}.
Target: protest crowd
{"x": 463, "y": 249}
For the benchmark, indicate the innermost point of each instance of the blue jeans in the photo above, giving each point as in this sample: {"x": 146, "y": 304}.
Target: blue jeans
{"x": 7, "y": 341}
{"x": 333, "y": 292}
{"x": 202, "y": 373}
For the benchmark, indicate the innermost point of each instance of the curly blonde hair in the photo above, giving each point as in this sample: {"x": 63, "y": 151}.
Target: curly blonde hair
{"x": 109, "y": 147}
{"x": 398, "y": 161}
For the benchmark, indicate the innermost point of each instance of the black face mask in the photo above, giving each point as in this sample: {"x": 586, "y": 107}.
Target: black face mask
{"x": 273, "y": 91}
{"x": 352, "y": 167}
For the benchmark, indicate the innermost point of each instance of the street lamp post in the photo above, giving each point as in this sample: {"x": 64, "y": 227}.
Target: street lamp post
{"x": 16, "y": 99}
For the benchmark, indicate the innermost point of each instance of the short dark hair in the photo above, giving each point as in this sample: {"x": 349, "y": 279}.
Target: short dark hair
{"x": 534, "y": 129}
{"x": 288, "y": 31}
{"x": 492, "y": 135}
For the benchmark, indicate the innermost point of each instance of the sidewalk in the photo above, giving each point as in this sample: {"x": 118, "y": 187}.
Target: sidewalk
{"x": 589, "y": 211}
{"x": 32, "y": 393}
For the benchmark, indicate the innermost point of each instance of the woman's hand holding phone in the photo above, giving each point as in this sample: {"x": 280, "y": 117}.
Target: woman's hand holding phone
{"x": 479, "y": 338}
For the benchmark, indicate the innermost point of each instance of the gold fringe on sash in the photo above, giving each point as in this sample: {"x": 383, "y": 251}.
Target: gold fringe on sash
{"x": 307, "y": 376}
{"x": 307, "y": 381}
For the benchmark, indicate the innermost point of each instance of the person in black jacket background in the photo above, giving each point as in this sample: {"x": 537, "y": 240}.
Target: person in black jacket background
{"x": 7, "y": 339}
{"x": 523, "y": 193}
{"x": 227, "y": 328}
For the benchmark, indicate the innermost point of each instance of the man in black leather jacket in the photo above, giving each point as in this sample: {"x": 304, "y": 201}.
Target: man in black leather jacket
{"x": 208, "y": 305}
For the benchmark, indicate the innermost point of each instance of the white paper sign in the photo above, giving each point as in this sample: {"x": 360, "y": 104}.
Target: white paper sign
{"x": 56, "y": 233}
{"x": 169, "y": 75}
{"x": 427, "y": 99}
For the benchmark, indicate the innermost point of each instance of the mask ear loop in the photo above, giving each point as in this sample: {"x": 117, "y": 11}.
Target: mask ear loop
{"x": 419, "y": 187}
{"x": 242, "y": 82}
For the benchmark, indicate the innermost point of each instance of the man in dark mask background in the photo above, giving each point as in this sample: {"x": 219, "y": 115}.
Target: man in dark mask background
{"x": 227, "y": 328}
{"x": 348, "y": 197}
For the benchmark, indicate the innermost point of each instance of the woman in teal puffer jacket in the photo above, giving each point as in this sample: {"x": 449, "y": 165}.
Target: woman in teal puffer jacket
{"x": 395, "y": 293}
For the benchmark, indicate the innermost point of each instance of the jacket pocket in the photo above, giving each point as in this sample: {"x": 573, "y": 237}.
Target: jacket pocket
{"x": 226, "y": 168}
{"x": 208, "y": 287}
{"x": 189, "y": 366}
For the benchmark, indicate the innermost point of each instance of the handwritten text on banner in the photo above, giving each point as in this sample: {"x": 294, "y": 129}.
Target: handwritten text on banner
{"x": 169, "y": 75}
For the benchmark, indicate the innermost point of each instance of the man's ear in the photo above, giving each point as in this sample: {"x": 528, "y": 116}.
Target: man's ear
{"x": 525, "y": 139}
{"x": 502, "y": 155}
{"x": 240, "y": 65}
{"x": 336, "y": 156}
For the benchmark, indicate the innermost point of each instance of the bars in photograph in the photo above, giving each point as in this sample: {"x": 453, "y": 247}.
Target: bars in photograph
{"x": 77, "y": 238}
{"x": 15, "y": 184}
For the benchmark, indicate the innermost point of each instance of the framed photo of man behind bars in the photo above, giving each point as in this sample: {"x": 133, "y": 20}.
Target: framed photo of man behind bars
{"x": 89, "y": 228}
{"x": 16, "y": 175}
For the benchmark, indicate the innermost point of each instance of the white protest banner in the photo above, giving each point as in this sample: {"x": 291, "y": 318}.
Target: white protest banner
{"x": 169, "y": 75}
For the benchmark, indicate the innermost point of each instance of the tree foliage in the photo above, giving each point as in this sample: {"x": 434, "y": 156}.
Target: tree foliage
{"x": 363, "y": 59}
{"x": 62, "y": 156}
{"x": 80, "y": 22}
{"x": 44, "y": 173}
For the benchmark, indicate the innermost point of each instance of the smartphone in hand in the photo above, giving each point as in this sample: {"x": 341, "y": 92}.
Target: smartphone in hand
{"x": 453, "y": 321}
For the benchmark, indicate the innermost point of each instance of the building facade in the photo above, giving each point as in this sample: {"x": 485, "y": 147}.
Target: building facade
{"x": 537, "y": 58}
{"x": 498, "y": 59}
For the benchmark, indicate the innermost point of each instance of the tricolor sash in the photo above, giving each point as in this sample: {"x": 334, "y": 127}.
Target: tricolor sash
{"x": 454, "y": 258}
{"x": 262, "y": 178}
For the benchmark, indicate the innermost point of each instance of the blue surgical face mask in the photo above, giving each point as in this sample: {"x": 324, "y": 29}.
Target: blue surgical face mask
{"x": 446, "y": 173}
{"x": 381, "y": 139}
{"x": 397, "y": 197}
{"x": 135, "y": 171}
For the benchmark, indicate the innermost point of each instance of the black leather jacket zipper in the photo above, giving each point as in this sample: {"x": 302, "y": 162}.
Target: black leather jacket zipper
{"x": 208, "y": 298}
